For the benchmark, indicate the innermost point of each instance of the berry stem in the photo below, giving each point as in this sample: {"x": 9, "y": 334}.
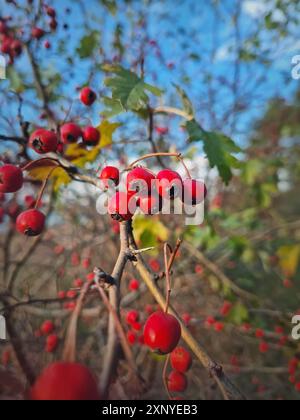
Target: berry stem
{"x": 165, "y": 376}
{"x": 168, "y": 280}
{"x": 42, "y": 190}
{"x": 162, "y": 154}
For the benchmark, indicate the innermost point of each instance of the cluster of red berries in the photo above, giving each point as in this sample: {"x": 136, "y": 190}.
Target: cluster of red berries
{"x": 135, "y": 326}
{"x": 147, "y": 191}
{"x": 47, "y": 329}
{"x": 181, "y": 362}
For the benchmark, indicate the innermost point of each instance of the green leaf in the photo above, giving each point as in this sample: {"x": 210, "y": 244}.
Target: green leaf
{"x": 88, "y": 44}
{"x": 239, "y": 314}
{"x": 111, "y": 5}
{"x": 187, "y": 104}
{"x": 15, "y": 79}
{"x": 218, "y": 148}
{"x": 128, "y": 90}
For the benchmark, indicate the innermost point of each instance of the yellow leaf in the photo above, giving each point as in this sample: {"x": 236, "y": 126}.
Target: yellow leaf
{"x": 59, "y": 175}
{"x": 289, "y": 259}
{"x": 149, "y": 231}
{"x": 106, "y": 130}
{"x": 80, "y": 156}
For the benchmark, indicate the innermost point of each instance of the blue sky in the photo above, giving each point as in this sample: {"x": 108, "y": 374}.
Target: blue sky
{"x": 186, "y": 33}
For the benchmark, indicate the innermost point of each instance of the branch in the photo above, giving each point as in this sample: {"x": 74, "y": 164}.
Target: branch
{"x": 227, "y": 388}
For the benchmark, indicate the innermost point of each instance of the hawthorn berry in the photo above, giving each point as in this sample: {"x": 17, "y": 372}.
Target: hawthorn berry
{"x": 50, "y": 12}
{"x": 47, "y": 327}
{"x": 5, "y": 358}
{"x": 297, "y": 387}
{"x": 51, "y": 343}
{"x": 86, "y": 263}
{"x": 31, "y": 222}
{"x": 177, "y": 382}
{"x": 134, "y": 285}
{"x": 154, "y": 265}
{"x": 151, "y": 204}
{"x": 219, "y": 326}
{"x": 210, "y": 321}
{"x": 70, "y": 133}
{"x": 181, "y": 360}
{"x": 91, "y": 136}
{"x": 71, "y": 294}
{"x": 110, "y": 173}
{"x": 65, "y": 381}
{"x": 16, "y": 48}
{"x": 169, "y": 184}
{"x": 53, "y": 24}
{"x": 226, "y": 308}
{"x": 162, "y": 332}
{"x": 186, "y": 317}
{"x": 90, "y": 277}
{"x": 259, "y": 333}
{"x": 122, "y": 206}
{"x": 194, "y": 192}
{"x": 61, "y": 294}
{"x": 47, "y": 45}
{"x": 78, "y": 283}
{"x": 87, "y": 96}
{"x": 263, "y": 347}
{"x": 30, "y": 201}
{"x": 43, "y": 141}
{"x": 132, "y": 317}
{"x": 11, "y": 179}
{"x": 140, "y": 180}
{"x": 37, "y": 33}
{"x": 131, "y": 337}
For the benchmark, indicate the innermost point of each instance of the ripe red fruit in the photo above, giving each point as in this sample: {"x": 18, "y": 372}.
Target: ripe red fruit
{"x": 47, "y": 45}
{"x": 134, "y": 285}
{"x": 16, "y": 48}
{"x": 122, "y": 206}
{"x": 78, "y": 283}
{"x": 177, "y": 382}
{"x": 151, "y": 204}
{"x": 6, "y": 45}
{"x": 140, "y": 180}
{"x": 169, "y": 184}
{"x": 259, "y": 333}
{"x": 75, "y": 259}
{"x": 47, "y": 327}
{"x": 154, "y": 265}
{"x": 297, "y": 387}
{"x": 51, "y": 343}
{"x": 90, "y": 277}
{"x": 210, "y": 321}
{"x": 50, "y": 11}
{"x": 53, "y": 24}
{"x": 31, "y": 222}
{"x": 186, "y": 318}
{"x": 43, "y": 141}
{"x": 91, "y": 136}
{"x": 30, "y": 201}
{"x": 70, "y": 133}
{"x": 136, "y": 326}
{"x": 263, "y": 347}
{"x": 194, "y": 192}
{"x": 65, "y": 381}
{"x": 61, "y": 294}
{"x": 11, "y": 179}
{"x": 87, "y": 96}
{"x": 226, "y": 308}
{"x": 86, "y": 263}
{"x": 37, "y": 33}
{"x": 71, "y": 294}
{"x": 132, "y": 316}
{"x": 162, "y": 332}
{"x": 5, "y": 358}
{"x": 219, "y": 326}
{"x": 131, "y": 337}
{"x": 181, "y": 360}
{"x": 110, "y": 173}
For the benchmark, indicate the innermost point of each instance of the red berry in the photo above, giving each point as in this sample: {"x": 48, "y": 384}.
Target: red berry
{"x": 297, "y": 387}
{"x": 279, "y": 330}
{"x": 110, "y": 173}
{"x": 149, "y": 309}
{"x": 210, "y": 321}
{"x": 162, "y": 130}
{"x": 226, "y": 308}
{"x": 71, "y": 294}
{"x": 154, "y": 265}
{"x": 181, "y": 359}
{"x": 75, "y": 259}
{"x": 87, "y": 96}
{"x": 59, "y": 249}
{"x": 51, "y": 343}
{"x": 219, "y": 326}
{"x": 122, "y": 206}
{"x": 186, "y": 318}
{"x": 151, "y": 204}
{"x": 134, "y": 285}
{"x": 50, "y": 12}
{"x": 91, "y": 136}
{"x": 194, "y": 192}
{"x": 16, "y": 48}
{"x": 86, "y": 263}
{"x": 65, "y": 381}
{"x": 31, "y": 222}
{"x": 43, "y": 141}
{"x": 6, "y": 45}
{"x": 70, "y": 306}
{"x": 140, "y": 180}
{"x": 90, "y": 277}
{"x": 11, "y": 179}
{"x": 131, "y": 337}
{"x": 61, "y": 294}
{"x": 70, "y": 133}
{"x": 5, "y": 358}
{"x": 47, "y": 327}
{"x": 169, "y": 184}
{"x": 132, "y": 316}
{"x": 263, "y": 347}
{"x": 162, "y": 332}
{"x": 53, "y": 24}
{"x": 259, "y": 333}
{"x": 30, "y": 201}
{"x": 292, "y": 379}
{"x": 47, "y": 45}
{"x": 199, "y": 269}
{"x": 78, "y": 283}
{"x": 177, "y": 382}
{"x": 37, "y": 33}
